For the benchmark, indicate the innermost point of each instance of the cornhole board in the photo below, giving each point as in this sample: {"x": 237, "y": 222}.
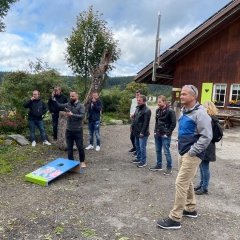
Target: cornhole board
{"x": 52, "y": 170}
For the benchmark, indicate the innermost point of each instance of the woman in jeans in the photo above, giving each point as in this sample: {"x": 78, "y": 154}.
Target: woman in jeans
{"x": 210, "y": 155}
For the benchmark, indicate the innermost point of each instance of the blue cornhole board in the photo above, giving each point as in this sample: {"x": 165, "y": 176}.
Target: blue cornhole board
{"x": 52, "y": 170}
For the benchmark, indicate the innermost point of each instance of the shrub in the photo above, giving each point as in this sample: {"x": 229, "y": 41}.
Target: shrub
{"x": 12, "y": 124}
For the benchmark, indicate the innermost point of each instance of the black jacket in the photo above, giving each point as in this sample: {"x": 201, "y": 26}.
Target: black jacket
{"x": 37, "y": 108}
{"x": 140, "y": 123}
{"x": 210, "y": 153}
{"x": 53, "y": 108}
{"x": 93, "y": 113}
{"x": 165, "y": 121}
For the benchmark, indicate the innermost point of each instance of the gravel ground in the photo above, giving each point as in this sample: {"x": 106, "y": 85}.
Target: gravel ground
{"x": 113, "y": 199}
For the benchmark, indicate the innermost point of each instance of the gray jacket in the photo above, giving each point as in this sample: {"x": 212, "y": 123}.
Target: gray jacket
{"x": 74, "y": 122}
{"x": 194, "y": 131}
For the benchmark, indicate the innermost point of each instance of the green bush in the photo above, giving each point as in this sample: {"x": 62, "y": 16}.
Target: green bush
{"x": 111, "y": 100}
{"x": 12, "y": 124}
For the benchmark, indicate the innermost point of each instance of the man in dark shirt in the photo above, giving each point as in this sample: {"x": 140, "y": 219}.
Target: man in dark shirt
{"x": 37, "y": 108}
{"x": 54, "y": 110}
{"x": 93, "y": 116}
{"x": 165, "y": 123}
{"x": 75, "y": 112}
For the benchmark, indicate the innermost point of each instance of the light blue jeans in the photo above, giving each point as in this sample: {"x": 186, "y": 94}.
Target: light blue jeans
{"x": 94, "y": 127}
{"x": 141, "y": 144}
{"x": 163, "y": 142}
{"x": 40, "y": 126}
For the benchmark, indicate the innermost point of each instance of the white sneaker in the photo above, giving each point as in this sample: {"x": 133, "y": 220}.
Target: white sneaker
{"x": 33, "y": 143}
{"x": 97, "y": 148}
{"x": 46, "y": 143}
{"x": 89, "y": 147}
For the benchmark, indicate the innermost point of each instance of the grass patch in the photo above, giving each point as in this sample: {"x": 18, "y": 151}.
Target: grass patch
{"x": 11, "y": 156}
{"x": 106, "y": 117}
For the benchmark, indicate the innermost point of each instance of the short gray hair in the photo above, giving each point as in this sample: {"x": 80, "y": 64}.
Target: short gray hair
{"x": 192, "y": 89}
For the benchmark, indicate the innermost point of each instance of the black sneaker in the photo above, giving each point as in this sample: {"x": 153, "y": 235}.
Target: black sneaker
{"x": 156, "y": 168}
{"x": 197, "y": 187}
{"x": 201, "y": 191}
{"x": 168, "y": 223}
{"x": 189, "y": 214}
{"x": 134, "y": 154}
{"x": 140, "y": 165}
{"x": 168, "y": 171}
{"x": 132, "y": 150}
{"x": 136, "y": 161}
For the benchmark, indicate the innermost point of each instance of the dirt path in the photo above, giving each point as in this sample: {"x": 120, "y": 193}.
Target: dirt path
{"x": 113, "y": 199}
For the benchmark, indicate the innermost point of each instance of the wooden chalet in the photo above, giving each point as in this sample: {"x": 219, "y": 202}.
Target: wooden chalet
{"x": 208, "y": 57}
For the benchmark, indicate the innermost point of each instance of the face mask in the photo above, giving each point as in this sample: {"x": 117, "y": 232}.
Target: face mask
{"x": 72, "y": 101}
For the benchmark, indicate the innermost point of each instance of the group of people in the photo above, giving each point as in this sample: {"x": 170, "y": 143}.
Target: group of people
{"x": 195, "y": 145}
{"x": 75, "y": 112}
{"x": 165, "y": 123}
{"x": 194, "y": 142}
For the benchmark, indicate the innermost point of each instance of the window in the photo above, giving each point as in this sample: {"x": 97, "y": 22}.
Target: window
{"x": 234, "y": 100}
{"x": 219, "y": 94}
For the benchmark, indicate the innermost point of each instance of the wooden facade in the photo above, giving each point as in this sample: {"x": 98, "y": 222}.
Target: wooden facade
{"x": 208, "y": 57}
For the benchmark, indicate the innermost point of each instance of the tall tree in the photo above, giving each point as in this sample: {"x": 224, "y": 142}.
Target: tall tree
{"x": 91, "y": 44}
{"x": 4, "y": 7}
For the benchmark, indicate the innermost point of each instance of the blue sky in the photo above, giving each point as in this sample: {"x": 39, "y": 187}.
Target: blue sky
{"x": 38, "y": 28}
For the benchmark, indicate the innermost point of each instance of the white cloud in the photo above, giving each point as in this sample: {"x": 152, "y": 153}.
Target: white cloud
{"x": 38, "y": 29}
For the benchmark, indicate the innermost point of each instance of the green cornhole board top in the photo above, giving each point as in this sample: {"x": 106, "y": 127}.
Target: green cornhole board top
{"x": 52, "y": 170}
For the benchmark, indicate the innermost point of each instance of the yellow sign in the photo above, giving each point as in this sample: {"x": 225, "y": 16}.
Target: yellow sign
{"x": 176, "y": 89}
{"x": 206, "y": 92}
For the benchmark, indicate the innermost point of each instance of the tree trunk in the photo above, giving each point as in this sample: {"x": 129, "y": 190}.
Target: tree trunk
{"x": 62, "y": 125}
{"x": 98, "y": 76}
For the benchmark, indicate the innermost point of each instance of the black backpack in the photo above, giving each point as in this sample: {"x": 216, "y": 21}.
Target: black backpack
{"x": 217, "y": 130}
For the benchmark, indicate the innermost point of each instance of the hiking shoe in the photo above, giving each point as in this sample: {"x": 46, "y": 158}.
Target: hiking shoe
{"x": 136, "y": 161}
{"x": 140, "y": 165}
{"x": 33, "y": 143}
{"x": 89, "y": 147}
{"x": 201, "y": 191}
{"x": 47, "y": 143}
{"x": 197, "y": 187}
{"x": 97, "y": 148}
{"x": 189, "y": 214}
{"x": 132, "y": 150}
{"x": 168, "y": 223}
{"x": 156, "y": 168}
{"x": 167, "y": 172}
{"x": 83, "y": 164}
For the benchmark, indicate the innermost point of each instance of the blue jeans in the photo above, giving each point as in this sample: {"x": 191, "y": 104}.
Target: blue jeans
{"x": 76, "y": 136}
{"x": 55, "y": 117}
{"x": 141, "y": 144}
{"x": 204, "y": 174}
{"x": 40, "y": 126}
{"x": 163, "y": 142}
{"x": 94, "y": 127}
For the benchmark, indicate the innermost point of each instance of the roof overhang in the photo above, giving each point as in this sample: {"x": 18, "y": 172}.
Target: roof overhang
{"x": 165, "y": 70}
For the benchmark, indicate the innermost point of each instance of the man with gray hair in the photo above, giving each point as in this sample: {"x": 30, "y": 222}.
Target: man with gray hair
{"x": 194, "y": 136}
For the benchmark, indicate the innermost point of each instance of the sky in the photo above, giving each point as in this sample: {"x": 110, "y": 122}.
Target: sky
{"x": 38, "y": 29}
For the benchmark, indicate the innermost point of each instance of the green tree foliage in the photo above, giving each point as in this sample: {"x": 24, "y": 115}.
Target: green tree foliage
{"x": 17, "y": 87}
{"x": 87, "y": 43}
{"x": 4, "y": 8}
{"x": 132, "y": 87}
{"x": 111, "y": 100}
{"x": 1, "y": 76}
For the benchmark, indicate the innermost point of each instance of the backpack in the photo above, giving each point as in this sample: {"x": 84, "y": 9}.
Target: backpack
{"x": 217, "y": 130}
